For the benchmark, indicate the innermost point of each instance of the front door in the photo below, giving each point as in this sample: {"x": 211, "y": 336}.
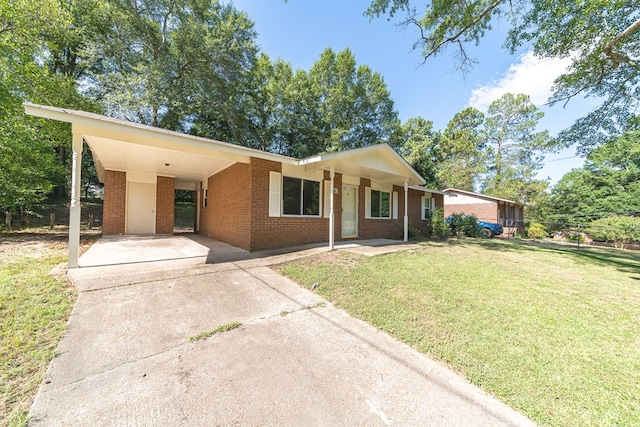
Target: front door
{"x": 141, "y": 208}
{"x": 349, "y": 211}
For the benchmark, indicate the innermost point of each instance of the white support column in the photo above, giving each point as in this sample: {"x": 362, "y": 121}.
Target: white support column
{"x": 332, "y": 173}
{"x": 74, "y": 211}
{"x": 406, "y": 210}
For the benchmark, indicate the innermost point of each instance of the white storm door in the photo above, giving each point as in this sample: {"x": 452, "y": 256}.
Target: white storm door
{"x": 141, "y": 208}
{"x": 349, "y": 211}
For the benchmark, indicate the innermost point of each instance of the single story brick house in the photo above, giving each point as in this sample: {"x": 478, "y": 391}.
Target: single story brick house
{"x": 508, "y": 213}
{"x": 251, "y": 199}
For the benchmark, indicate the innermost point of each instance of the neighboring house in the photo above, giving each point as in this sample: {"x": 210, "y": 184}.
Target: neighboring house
{"x": 508, "y": 213}
{"x": 251, "y": 199}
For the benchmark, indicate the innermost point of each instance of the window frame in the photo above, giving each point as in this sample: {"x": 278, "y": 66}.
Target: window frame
{"x": 380, "y": 207}
{"x": 301, "y": 198}
{"x": 427, "y": 203}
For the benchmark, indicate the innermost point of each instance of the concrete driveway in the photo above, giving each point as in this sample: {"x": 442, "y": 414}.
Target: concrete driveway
{"x": 127, "y": 359}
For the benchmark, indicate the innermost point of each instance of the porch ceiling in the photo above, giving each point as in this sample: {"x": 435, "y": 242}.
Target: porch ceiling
{"x": 125, "y": 156}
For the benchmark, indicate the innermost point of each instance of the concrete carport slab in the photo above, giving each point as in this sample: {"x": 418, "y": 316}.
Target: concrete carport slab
{"x": 126, "y": 358}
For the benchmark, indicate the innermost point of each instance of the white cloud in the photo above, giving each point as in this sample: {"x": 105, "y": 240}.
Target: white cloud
{"x": 530, "y": 75}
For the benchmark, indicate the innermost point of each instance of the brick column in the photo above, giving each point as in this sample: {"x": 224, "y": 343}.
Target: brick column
{"x": 114, "y": 205}
{"x": 165, "y": 196}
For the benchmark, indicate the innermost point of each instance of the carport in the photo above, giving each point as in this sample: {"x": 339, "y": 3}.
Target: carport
{"x": 146, "y": 154}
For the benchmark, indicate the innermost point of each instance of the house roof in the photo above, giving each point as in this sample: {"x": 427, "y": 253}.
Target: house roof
{"x": 378, "y": 161}
{"x": 126, "y": 146}
{"x": 482, "y": 196}
{"x": 426, "y": 190}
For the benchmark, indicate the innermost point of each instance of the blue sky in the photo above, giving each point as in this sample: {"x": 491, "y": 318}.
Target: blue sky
{"x": 299, "y": 30}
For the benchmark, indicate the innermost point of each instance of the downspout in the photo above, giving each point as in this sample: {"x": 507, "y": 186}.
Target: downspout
{"x": 74, "y": 210}
{"x": 406, "y": 211}
{"x": 332, "y": 174}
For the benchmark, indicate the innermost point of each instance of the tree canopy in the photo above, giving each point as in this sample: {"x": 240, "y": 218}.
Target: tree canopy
{"x": 608, "y": 184}
{"x": 601, "y": 37}
{"x": 185, "y": 65}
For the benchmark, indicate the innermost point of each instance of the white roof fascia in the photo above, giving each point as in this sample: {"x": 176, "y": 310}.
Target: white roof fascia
{"x": 85, "y": 119}
{"x": 338, "y": 155}
{"x": 471, "y": 193}
{"x": 426, "y": 190}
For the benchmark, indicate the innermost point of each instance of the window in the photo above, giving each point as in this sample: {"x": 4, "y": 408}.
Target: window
{"x": 380, "y": 204}
{"x": 300, "y": 197}
{"x": 427, "y": 207}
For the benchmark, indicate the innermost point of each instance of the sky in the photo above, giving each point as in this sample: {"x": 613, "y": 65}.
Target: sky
{"x": 298, "y": 31}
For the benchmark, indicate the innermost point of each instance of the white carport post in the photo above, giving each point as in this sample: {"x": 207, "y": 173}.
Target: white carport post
{"x": 74, "y": 211}
{"x": 406, "y": 213}
{"x": 332, "y": 174}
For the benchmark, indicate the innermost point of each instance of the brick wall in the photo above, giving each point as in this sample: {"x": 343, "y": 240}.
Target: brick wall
{"x": 483, "y": 211}
{"x": 227, "y": 216}
{"x": 277, "y": 232}
{"x": 374, "y": 228}
{"x": 165, "y": 196}
{"x": 115, "y": 199}
{"x": 415, "y": 210}
{"x": 439, "y": 200}
{"x": 238, "y": 211}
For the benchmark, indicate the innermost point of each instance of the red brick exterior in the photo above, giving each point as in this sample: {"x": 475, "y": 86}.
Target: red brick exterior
{"x": 483, "y": 211}
{"x": 114, "y": 204}
{"x": 237, "y": 210}
{"x": 374, "y": 228}
{"x": 165, "y": 196}
{"x": 277, "y": 232}
{"x": 491, "y": 212}
{"x": 227, "y": 216}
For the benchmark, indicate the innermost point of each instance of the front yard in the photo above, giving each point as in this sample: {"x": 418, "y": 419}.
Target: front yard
{"x": 35, "y": 302}
{"x": 553, "y": 332}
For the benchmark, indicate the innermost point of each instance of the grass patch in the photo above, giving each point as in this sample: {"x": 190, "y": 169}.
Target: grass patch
{"x": 306, "y": 307}
{"x": 34, "y": 308}
{"x": 553, "y": 332}
{"x": 222, "y": 328}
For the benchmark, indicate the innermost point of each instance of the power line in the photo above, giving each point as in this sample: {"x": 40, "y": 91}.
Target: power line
{"x": 557, "y": 160}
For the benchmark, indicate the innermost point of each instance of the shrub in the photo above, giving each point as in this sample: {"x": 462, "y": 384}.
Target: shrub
{"x": 439, "y": 227}
{"x": 464, "y": 224}
{"x": 537, "y": 231}
{"x": 617, "y": 229}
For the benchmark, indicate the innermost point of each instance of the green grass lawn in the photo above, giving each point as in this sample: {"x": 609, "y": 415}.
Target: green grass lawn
{"x": 34, "y": 307}
{"x": 551, "y": 331}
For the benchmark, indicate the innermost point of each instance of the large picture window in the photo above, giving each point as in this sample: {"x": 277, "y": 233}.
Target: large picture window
{"x": 300, "y": 197}
{"x": 380, "y": 204}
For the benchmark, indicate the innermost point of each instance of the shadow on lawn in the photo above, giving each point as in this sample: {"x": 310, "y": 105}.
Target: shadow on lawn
{"x": 627, "y": 262}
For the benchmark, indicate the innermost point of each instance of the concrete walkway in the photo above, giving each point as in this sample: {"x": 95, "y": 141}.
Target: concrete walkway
{"x": 127, "y": 357}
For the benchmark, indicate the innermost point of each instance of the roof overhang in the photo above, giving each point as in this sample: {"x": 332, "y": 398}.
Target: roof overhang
{"x": 379, "y": 162}
{"x": 125, "y": 146}
{"x": 132, "y": 147}
{"x": 426, "y": 190}
{"x": 454, "y": 191}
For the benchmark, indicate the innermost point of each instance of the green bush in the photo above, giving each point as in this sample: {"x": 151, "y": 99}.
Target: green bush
{"x": 439, "y": 227}
{"x": 464, "y": 224}
{"x": 620, "y": 230}
{"x": 537, "y": 231}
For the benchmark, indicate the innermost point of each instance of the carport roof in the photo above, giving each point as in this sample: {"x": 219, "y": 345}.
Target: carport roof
{"x": 126, "y": 146}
